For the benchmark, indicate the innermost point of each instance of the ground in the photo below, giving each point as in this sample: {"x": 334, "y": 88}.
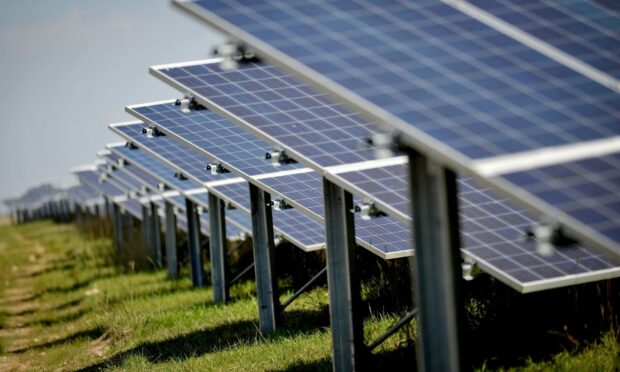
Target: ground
{"x": 65, "y": 306}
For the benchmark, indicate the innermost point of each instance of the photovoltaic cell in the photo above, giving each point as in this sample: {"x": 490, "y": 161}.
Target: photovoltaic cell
{"x": 493, "y": 231}
{"x": 587, "y": 190}
{"x": 208, "y": 132}
{"x": 582, "y": 29}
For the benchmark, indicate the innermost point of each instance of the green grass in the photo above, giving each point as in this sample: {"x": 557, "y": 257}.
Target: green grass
{"x": 66, "y": 307}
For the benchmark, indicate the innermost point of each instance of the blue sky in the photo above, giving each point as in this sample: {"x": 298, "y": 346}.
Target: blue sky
{"x": 69, "y": 67}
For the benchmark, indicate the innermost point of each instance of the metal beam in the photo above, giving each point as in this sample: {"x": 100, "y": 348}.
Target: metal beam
{"x": 242, "y": 273}
{"x": 117, "y": 220}
{"x": 146, "y": 231}
{"x": 436, "y": 264}
{"x": 171, "y": 241}
{"x": 193, "y": 244}
{"x": 217, "y": 242}
{"x": 156, "y": 235}
{"x": 264, "y": 260}
{"x": 304, "y": 288}
{"x": 344, "y": 292}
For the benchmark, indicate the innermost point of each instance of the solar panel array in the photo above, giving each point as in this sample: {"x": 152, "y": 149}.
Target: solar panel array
{"x": 454, "y": 86}
{"x": 300, "y": 189}
{"x": 467, "y": 83}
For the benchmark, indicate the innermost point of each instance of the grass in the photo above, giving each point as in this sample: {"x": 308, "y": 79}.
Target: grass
{"x": 65, "y": 306}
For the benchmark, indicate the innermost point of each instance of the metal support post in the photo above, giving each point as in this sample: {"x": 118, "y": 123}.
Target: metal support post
{"x": 171, "y": 241}
{"x": 264, "y": 260}
{"x": 436, "y": 264}
{"x": 344, "y": 288}
{"x": 156, "y": 235}
{"x": 117, "y": 221}
{"x": 193, "y": 243}
{"x": 146, "y": 231}
{"x": 217, "y": 241}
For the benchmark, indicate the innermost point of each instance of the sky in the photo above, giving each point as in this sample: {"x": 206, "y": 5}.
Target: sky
{"x": 68, "y": 68}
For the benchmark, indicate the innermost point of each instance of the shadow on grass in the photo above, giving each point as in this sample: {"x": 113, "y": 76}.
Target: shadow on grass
{"x": 65, "y": 318}
{"x": 90, "y": 334}
{"x": 55, "y": 267}
{"x": 77, "y": 285}
{"x": 209, "y": 340}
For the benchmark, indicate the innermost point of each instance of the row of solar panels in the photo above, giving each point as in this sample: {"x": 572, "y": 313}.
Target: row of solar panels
{"x": 521, "y": 96}
{"x": 194, "y": 150}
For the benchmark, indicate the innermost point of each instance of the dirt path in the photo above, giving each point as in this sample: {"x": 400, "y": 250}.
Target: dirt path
{"x": 19, "y": 300}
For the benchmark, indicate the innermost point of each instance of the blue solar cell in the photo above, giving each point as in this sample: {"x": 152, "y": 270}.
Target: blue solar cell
{"x": 587, "y": 190}
{"x": 582, "y": 29}
{"x": 493, "y": 232}
{"x": 213, "y": 135}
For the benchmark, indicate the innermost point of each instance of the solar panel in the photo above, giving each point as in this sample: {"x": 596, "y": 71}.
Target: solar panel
{"x": 124, "y": 178}
{"x": 132, "y": 206}
{"x": 206, "y": 131}
{"x": 90, "y": 177}
{"x": 393, "y": 245}
{"x": 142, "y": 180}
{"x": 240, "y": 219}
{"x": 581, "y": 29}
{"x": 453, "y": 87}
{"x": 588, "y": 190}
{"x": 291, "y": 224}
{"x": 152, "y": 165}
{"x": 83, "y": 194}
{"x": 171, "y": 151}
{"x": 384, "y": 236}
{"x": 493, "y": 234}
{"x": 277, "y": 108}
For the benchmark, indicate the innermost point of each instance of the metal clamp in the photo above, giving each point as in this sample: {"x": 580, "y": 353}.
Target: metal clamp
{"x": 278, "y": 157}
{"x": 548, "y": 236}
{"x": 279, "y": 204}
{"x": 180, "y": 176}
{"x": 367, "y": 210}
{"x": 232, "y": 53}
{"x": 216, "y": 168}
{"x": 188, "y": 104}
{"x": 130, "y": 145}
{"x": 152, "y": 132}
{"x": 468, "y": 267}
{"x": 382, "y": 144}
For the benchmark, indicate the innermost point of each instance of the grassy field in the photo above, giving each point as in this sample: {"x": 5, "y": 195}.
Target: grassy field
{"x": 65, "y": 306}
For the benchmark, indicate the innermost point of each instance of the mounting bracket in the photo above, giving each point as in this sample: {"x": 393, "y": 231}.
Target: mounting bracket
{"x": 279, "y": 157}
{"x": 367, "y": 210}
